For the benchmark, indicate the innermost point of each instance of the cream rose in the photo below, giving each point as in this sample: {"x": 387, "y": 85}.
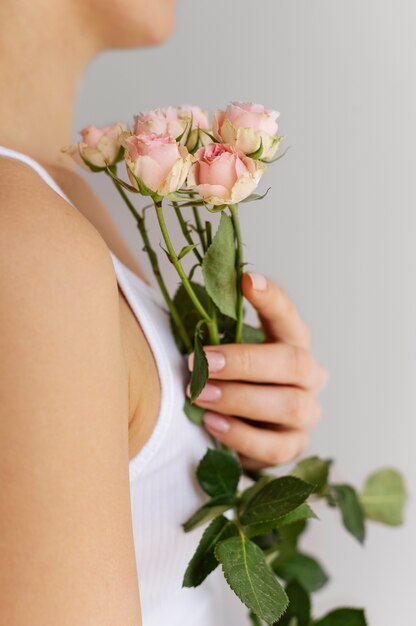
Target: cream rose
{"x": 222, "y": 175}
{"x": 100, "y": 147}
{"x": 247, "y": 127}
{"x": 156, "y": 161}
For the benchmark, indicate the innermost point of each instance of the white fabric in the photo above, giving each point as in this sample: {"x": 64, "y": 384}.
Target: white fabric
{"x": 162, "y": 486}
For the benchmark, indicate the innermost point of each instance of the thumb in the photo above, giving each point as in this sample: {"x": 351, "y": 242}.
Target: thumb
{"x": 278, "y": 315}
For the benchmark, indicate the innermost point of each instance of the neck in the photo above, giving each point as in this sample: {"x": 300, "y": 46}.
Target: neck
{"x": 42, "y": 57}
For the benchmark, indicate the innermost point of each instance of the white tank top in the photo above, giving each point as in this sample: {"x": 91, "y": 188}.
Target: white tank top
{"x": 163, "y": 489}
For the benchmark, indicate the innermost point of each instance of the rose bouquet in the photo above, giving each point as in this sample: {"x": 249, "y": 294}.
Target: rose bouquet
{"x": 175, "y": 156}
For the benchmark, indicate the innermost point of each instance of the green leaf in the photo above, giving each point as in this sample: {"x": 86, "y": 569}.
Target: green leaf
{"x": 275, "y": 499}
{"x": 250, "y": 334}
{"x": 304, "y": 568}
{"x": 346, "y": 498}
{"x": 206, "y": 513}
{"x": 188, "y": 313}
{"x": 251, "y": 491}
{"x": 384, "y": 497}
{"x": 299, "y": 606}
{"x": 343, "y": 617}
{"x": 193, "y": 412}
{"x": 249, "y": 576}
{"x": 204, "y": 562}
{"x": 313, "y": 470}
{"x": 218, "y": 473}
{"x": 218, "y": 268}
{"x": 290, "y": 536}
{"x": 185, "y": 250}
{"x": 255, "y": 620}
{"x": 302, "y": 512}
{"x": 199, "y": 374}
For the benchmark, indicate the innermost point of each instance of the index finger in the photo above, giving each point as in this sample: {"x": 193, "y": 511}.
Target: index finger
{"x": 278, "y": 315}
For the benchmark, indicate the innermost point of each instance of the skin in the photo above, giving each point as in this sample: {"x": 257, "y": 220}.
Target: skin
{"x": 75, "y": 406}
{"x": 273, "y": 385}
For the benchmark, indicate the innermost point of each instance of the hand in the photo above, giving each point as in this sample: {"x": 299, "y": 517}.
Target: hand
{"x": 261, "y": 399}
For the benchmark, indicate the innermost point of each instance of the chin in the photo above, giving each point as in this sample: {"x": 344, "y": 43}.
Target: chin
{"x": 150, "y": 23}
{"x": 162, "y": 31}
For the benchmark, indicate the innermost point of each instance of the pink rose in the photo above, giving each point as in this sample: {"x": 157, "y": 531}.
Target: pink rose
{"x": 247, "y": 126}
{"x": 159, "y": 122}
{"x": 222, "y": 175}
{"x": 198, "y": 115}
{"x": 170, "y": 121}
{"x": 157, "y": 161}
{"x": 173, "y": 122}
{"x": 100, "y": 147}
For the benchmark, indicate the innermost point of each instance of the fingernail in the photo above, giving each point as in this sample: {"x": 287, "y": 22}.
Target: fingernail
{"x": 216, "y": 361}
{"x": 258, "y": 281}
{"x": 210, "y": 392}
{"x": 213, "y": 421}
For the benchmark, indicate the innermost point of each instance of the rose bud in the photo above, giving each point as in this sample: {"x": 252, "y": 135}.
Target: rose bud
{"x": 156, "y": 164}
{"x": 222, "y": 175}
{"x": 251, "y": 128}
{"x": 100, "y": 147}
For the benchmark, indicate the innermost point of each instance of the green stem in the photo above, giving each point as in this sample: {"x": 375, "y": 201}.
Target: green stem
{"x": 199, "y": 228}
{"x": 126, "y": 199}
{"x": 239, "y": 269}
{"x": 185, "y": 230}
{"x": 156, "y": 269}
{"x": 208, "y": 233}
{"x": 212, "y": 327}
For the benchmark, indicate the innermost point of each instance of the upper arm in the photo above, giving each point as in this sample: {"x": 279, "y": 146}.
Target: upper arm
{"x": 66, "y": 543}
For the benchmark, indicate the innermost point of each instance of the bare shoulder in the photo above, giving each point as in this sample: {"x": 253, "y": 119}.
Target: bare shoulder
{"x": 33, "y": 217}
{"x": 65, "y": 517}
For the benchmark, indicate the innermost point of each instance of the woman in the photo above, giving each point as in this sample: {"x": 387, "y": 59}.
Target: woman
{"x": 96, "y": 456}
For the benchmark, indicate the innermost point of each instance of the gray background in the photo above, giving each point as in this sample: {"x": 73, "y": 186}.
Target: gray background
{"x": 337, "y": 230}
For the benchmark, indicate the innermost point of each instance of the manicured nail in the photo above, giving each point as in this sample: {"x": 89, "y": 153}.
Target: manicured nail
{"x": 213, "y": 421}
{"x": 258, "y": 281}
{"x": 216, "y": 361}
{"x": 209, "y": 393}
